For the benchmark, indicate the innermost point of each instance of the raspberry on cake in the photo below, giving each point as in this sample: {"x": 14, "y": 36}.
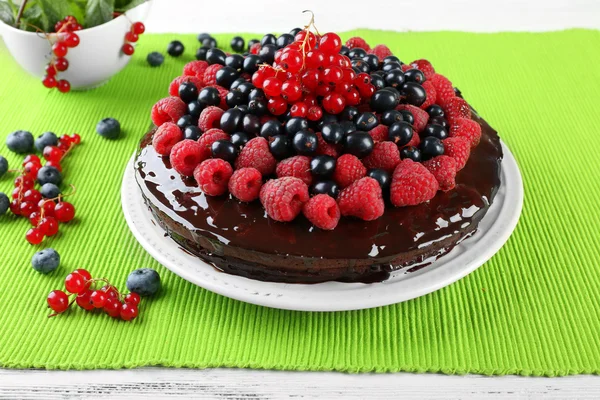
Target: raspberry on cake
{"x": 167, "y": 135}
{"x": 283, "y": 198}
{"x": 297, "y": 166}
{"x": 348, "y": 169}
{"x": 213, "y": 176}
{"x": 256, "y": 154}
{"x": 245, "y": 184}
{"x": 185, "y": 156}
{"x": 323, "y": 211}
{"x": 169, "y": 109}
{"x": 412, "y": 184}
{"x": 362, "y": 199}
{"x": 210, "y": 118}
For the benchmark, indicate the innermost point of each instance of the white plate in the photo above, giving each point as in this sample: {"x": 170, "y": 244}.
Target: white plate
{"x": 494, "y": 230}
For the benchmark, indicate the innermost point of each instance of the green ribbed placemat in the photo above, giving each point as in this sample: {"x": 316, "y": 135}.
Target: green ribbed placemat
{"x": 534, "y": 309}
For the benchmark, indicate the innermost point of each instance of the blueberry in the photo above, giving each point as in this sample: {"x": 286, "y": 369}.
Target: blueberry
{"x": 381, "y": 176}
{"x": 257, "y": 106}
{"x": 439, "y": 121}
{"x": 269, "y": 38}
{"x": 377, "y": 81}
{"x": 295, "y": 124}
{"x": 4, "y": 203}
{"x": 175, "y": 48}
{"x": 44, "y": 140}
{"x": 383, "y": 100}
{"x": 3, "y": 166}
{"x": 435, "y": 111}
{"x": 231, "y": 120}
{"x": 332, "y": 133}
{"x": 195, "y": 108}
{"x": 202, "y": 36}
{"x": 20, "y": 142}
{"x": 389, "y": 59}
{"x": 252, "y": 42}
{"x": 305, "y": 142}
{"x": 209, "y": 42}
{"x": 235, "y": 61}
{"x": 201, "y": 53}
{"x": 186, "y": 120}
{"x": 49, "y": 174}
{"x": 192, "y": 132}
{"x": 394, "y": 78}
{"x": 411, "y": 152}
{"x": 271, "y": 128}
{"x": 108, "y": 128}
{"x": 224, "y": 149}
{"x": 400, "y": 133}
{"x": 349, "y": 113}
{"x": 295, "y": 31}
{"x": 225, "y": 76}
{"x": 359, "y": 144}
{"x": 45, "y": 261}
{"x": 49, "y": 191}
{"x": 280, "y": 147}
{"x": 435, "y": 130}
{"x": 284, "y": 40}
{"x": 188, "y": 92}
{"x": 372, "y": 61}
{"x": 234, "y": 98}
{"x": 145, "y": 282}
{"x": 414, "y": 75}
{"x": 239, "y": 139}
{"x": 322, "y": 166}
{"x": 326, "y": 187}
{"x": 414, "y": 93}
{"x": 431, "y": 147}
{"x": 215, "y": 56}
{"x": 391, "y": 66}
{"x": 251, "y": 124}
{"x": 391, "y": 116}
{"x": 357, "y": 52}
{"x": 209, "y": 96}
{"x": 267, "y": 53}
{"x": 237, "y": 44}
{"x": 155, "y": 59}
{"x": 407, "y": 116}
{"x": 366, "y": 121}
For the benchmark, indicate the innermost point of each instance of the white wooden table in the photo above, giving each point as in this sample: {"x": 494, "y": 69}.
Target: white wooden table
{"x": 278, "y": 16}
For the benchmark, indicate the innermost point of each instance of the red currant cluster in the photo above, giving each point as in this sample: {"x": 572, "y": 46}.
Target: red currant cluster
{"x": 66, "y": 38}
{"x": 82, "y": 286}
{"x": 137, "y": 28}
{"x": 43, "y": 214}
{"x": 309, "y": 68}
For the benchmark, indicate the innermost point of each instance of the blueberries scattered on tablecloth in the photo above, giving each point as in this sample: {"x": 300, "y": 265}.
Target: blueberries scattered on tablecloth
{"x": 155, "y": 59}
{"x": 45, "y": 261}
{"x": 46, "y": 139}
{"x": 109, "y": 128}
{"x": 20, "y": 142}
{"x": 49, "y": 174}
{"x": 144, "y": 281}
{"x": 50, "y": 191}
{"x": 4, "y": 203}
{"x": 175, "y": 48}
{"x": 3, "y": 166}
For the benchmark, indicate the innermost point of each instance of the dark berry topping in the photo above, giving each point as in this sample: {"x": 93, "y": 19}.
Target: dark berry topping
{"x": 434, "y": 130}
{"x": 431, "y": 147}
{"x": 175, "y": 48}
{"x": 295, "y": 124}
{"x": 414, "y": 93}
{"x": 435, "y": 111}
{"x": 224, "y": 149}
{"x": 332, "y": 133}
{"x": 325, "y": 187}
{"x": 383, "y": 100}
{"x": 225, "y": 76}
{"x": 305, "y": 142}
{"x": 411, "y": 152}
{"x": 271, "y": 128}
{"x": 322, "y": 166}
{"x": 366, "y": 121}
{"x": 391, "y": 116}
{"x": 188, "y": 92}
{"x": 400, "y": 133}
{"x": 209, "y": 96}
{"x": 279, "y": 146}
{"x": 192, "y": 132}
{"x": 237, "y": 44}
{"x": 215, "y": 56}
{"x": 239, "y": 139}
{"x": 231, "y": 120}
{"x": 381, "y": 176}
{"x": 414, "y": 75}
{"x": 359, "y": 144}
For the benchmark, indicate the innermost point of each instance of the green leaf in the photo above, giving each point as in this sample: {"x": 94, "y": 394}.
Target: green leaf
{"x": 6, "y": 13}
{"x": 33, "y": 18}
{"x": 78, "y": 10}
{"x": 53, "y": 11}
{"x": 98, "y": 12}
{"x": 126, "y": 5}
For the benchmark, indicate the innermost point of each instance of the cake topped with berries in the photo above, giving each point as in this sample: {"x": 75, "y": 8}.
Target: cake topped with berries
{"x": 306, "y": 160}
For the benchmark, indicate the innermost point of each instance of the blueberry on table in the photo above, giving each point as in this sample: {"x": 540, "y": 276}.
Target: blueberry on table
{"x": 49, "y": 174}
{"x": 3, "y": 166}
{"x": 109, "y": 128}
{"x": 46, "y": 139}
{"x": 20, "y": 142}
{"x": 203, "y": 36}
{"x": 4, "y": 203}
{"x": 144, "y": 281}
{"x": 175, "y": 48}
{"x": 49, "y": 191}
{"x": 45, "y": 261}
{"x": 155, "y": 59}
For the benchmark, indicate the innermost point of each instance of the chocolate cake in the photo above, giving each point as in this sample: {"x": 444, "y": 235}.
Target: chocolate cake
{"x": 239, "y": 238}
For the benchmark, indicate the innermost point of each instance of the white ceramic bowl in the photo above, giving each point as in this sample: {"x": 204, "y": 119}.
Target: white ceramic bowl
{"x": 93, "y": 62}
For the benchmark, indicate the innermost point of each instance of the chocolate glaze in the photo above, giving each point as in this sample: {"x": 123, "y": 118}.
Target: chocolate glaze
{"x": 239, "y": 238}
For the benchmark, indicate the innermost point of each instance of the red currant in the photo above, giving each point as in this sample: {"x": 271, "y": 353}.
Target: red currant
{"x": 58, "y": 26}
{"x": 309, "y": 99}
{"x": 129, "y": 311}
{"x": 24, "y": 181}
{"x": 49, "y": 226}
{"x": 314, "y": 113}
{"x": 311, "y": 41}
{"x": 291, "y": 90}
{"x": 59, "y": 49}
{"x": 342, "y": 87}
{"x": 332, "y": 75}
{"x": 54, "y": 164}
{"x": 47, "y": 206}
{"x": 27, "y": 208}
{"x": 71, "y": 40}
{"x": 323, "y": 90}
{"x": 64, "y": 211}
{"x": 330, "y": 43}
{"x": 299, "y": 109}
{"x": 349, "y": 75}
{"x": 352, "y": 97}
{"x": 83, "y": 300}
{"x": 98, "y": 298}
{"x": 361, "y": 80}
{"x": 133, "y": 298}
{"x": 138, "y": 28}
{"x": 49, "y": 82}
{"x": 53, "y": 153}
{"x": 338, "y": 60}
{"x": 31, "y": 158}
{"x": 310, "y": 79}
{"x": 61, "y": 64}
{"x": 15, "y": 207}
{"x": 76, "y": 27}
{"x": 17, "y": 193}
{"x": 34, "y": 218}
{"x": 50, "y": 70}
{"x": 291, "y": 61}
{"x": 75, "y": 283}
{"x": 334, "y": 103}
{"x": 127, "y": 49}
{"x": 314, "y": 59}
{"x": 277, "y": 106}
{"x": 272, "y": 87}
{"x": 131, "y": 37}
{"x": 64, "y": 145}
{"x": 63, "y": 86}
{"x": 110, "y": 291}
{"x": 32, "y": 196}
{"x": 86, "y": 275}
{"x": 58, "y": 301}
{"x": 112, "y": 307}
{"x": 32, "y": 169}
{"x": 34, "y": 236}
{"x": 366, "y": 91}
{"x": 278, "y": 54}
{"x": 75, "y": 138}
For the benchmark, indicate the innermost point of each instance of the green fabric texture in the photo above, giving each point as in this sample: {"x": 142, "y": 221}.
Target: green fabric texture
{"x": 533, "y": 309}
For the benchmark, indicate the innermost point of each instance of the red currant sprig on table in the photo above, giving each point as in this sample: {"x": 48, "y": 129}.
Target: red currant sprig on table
{"x": 66, "y": 38}
{"x": 137, "y": 28}
{"x": 87, "y": 293}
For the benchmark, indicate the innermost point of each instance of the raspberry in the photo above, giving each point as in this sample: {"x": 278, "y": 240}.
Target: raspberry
{"x": 185, "y": 156}
{"x": 223, "y": 95}
{"x": 379, "y": 133}
{"x": 210, "y": 75}
{"x": 255, "y": 48}
{"x": 169, "y": 109}
{"x": 326, "y": 149}
{"x": 195, "y": 68}
{"x": 297, "y": 166}
{"x": 357, "y": 42}
{"x": 385, "y": 155}
{"x": 210, "y": 118}
{"x": 412, "y": 184}
{"x": 362, "y": 199}
{"x": 348, "y": 169}
{"x": 406, "y": 67}
{"x": 165, "y": 137}
{"x": 174, "y": 86}
{"x": 245, "y": 184}
{"x": 421, "y": 116}
{"x": 415, "y": 141}
{"x": 213, "y": 176}
{"x": 444, "y": 170}
{"x": 208, "y": 138}
{"x": 322, "y": 211}
{"x": 381, "y": 51}
{"x": 458, "y": 148}
{"x": 283, "y": 198}
{"x": 431, "y": 94}
{"x": 467, "y": 128}
{"x": 443, "y": 88}
{"x": 256, "y": 154}
{"x": 424, "y": 66}
{"x": 456, "y": 107}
